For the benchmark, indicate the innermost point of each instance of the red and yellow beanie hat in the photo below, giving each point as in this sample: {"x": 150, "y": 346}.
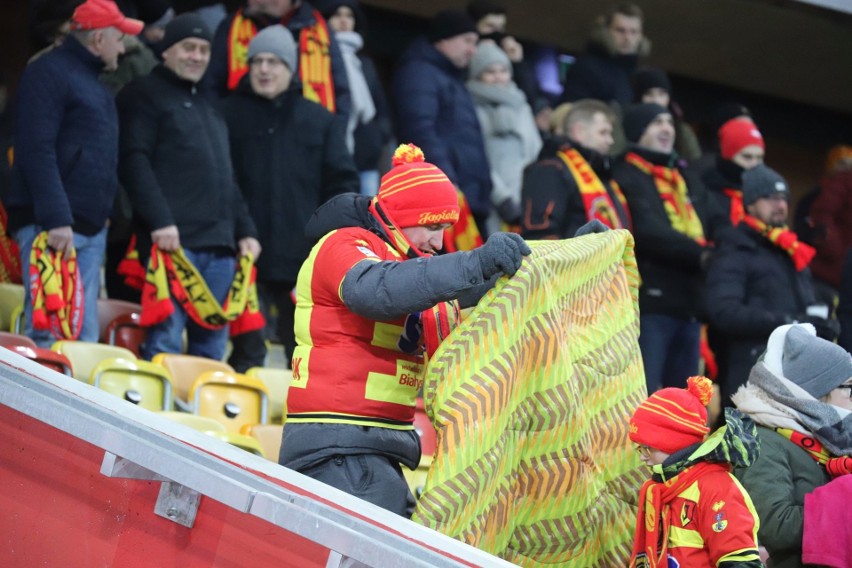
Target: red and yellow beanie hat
{"x": 672, "y": 419}
{"x": 415, "y": 192}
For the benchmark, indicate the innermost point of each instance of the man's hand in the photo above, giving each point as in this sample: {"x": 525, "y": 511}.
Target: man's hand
{"x": 249, "y": 245}
{"x": 61, "y": 239}
{"x": 167, "y": 238}
{"x": 513, "y": 49}
{"x": 502, "y": 252}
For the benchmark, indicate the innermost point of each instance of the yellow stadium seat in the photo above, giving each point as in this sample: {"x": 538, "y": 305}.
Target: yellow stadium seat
{"x": 140, "y": 382}
{"x": 194, "y": 421}
{"x": 241, "y": 441}
{"x": 417, "y": 479}
{"x": 184, "y": 369}
{"x": 277, "y": 383}
{"x": 231, "y": 398}
{"x": 85, "y": 356}
{"x": 269, "y": 436}
{"x": 11, "y": 307}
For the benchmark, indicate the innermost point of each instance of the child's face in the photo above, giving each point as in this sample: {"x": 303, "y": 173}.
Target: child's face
{"x": 651, "y": 456}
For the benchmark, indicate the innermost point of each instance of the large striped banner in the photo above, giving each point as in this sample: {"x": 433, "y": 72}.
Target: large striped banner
{"x": 531, "y": 397}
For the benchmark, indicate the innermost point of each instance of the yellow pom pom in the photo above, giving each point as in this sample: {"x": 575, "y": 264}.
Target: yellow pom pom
{"x": 701, "y": 388}
{"x": 407, "y": 154}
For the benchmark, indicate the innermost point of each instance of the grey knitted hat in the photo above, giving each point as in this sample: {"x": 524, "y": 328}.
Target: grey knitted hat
{"x": 816, "y": 365}
{"x": 278, "y": 41}
{"x": 487, "y": 53}
{"x": 762, "y": 181}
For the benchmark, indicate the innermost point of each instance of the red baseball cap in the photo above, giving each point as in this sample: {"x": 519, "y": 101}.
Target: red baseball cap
{"x": 97, "y": 14}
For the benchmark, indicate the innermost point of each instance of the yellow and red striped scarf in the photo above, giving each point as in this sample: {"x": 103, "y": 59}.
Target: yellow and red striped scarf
{"x": 173, "y": 275}
{"x": 596, "y": 200}
{"x": 464, "y": 234}
{"x": 785, "y": 239}
{"x": 56, "y": 290}
{"x": 835, "y": 466}
{"x": 672, "y": 189}
{"x": 314, "y": 57}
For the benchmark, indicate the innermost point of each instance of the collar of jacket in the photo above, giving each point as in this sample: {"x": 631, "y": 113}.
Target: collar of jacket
{"x": 78, "y": 50}
{"x": 657, "y": 158}
{"x": 600, "y": 163}
{"x": 170, "y": 76}
{"x": 730, "y": 171}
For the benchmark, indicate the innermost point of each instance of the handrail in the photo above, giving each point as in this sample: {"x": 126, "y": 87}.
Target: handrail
{"x": 349, "y": 527}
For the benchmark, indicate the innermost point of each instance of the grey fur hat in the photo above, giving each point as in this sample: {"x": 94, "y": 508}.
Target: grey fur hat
{"x": 487, "y": 53}
{"x": 816, "y": 365}
{"x": 278, "y": 41}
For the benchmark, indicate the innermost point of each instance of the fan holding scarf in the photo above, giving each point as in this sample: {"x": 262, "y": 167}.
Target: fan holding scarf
{"x": 373, "y": 300}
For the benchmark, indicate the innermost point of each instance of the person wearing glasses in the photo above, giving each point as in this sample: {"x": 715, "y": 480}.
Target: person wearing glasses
{"x": 800, "y": 395}
{"x": 693, "y": 512}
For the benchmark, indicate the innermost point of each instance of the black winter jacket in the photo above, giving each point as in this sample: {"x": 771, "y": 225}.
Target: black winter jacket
{"x": 598, "y": 74}
{"x": 175, "y": 164}
{"x": 289, "y": 156}
{"x": 669, "y": 261}
{"x": 752, "y": 287}
{"x": 552, "y": 206}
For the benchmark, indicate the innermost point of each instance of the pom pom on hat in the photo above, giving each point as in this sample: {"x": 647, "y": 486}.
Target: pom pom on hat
{"x": 671, "y": 418}
{"x": 415, "y": 192}
{"x": 736, "y": 134}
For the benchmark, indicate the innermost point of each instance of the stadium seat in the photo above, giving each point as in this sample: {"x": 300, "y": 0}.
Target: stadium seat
{"x": 277, "y": 383}
{"x": 269, "y": 436}
{"x": 124, "y": 330}
{"x": 215, "y": 429}
{"x": 8, "y": 339}
{"x": 108, "y": 310}
{"x": 85, "y": 356}
{"x": 50, "y": 359}
{"x": 184, "y": 369}
{"x": 140, "y": 382}
{"x": 231, "y": 398}
{"x": 11, "y": 307}
{"x": 417, "y": 479}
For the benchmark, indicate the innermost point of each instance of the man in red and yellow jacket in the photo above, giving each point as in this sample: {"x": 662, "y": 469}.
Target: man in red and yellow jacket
{"x": 373, "y": 300}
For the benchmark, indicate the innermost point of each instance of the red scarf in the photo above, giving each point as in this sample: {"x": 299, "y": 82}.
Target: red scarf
{"x": 596, "y": 200}
{"x": 10, "y": 262}
{"x": 464, "y": 235}
{"x": 652, "y": 521}
{"x": 835, "y": 466}
{"x": 785, "y": 239}
{"x": 737, "y": 211}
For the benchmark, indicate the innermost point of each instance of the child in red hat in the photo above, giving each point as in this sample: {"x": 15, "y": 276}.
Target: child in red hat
{"x": 693, "y": 512}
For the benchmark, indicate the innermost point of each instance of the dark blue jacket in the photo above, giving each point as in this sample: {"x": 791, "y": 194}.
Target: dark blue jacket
{"x": 435, "y": 111}
{"x": 66, "y": 147}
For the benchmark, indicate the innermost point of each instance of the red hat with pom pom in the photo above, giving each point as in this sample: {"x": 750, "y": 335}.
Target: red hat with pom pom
{"x": 672, "y": 419}
{"x": 415, "y": 192}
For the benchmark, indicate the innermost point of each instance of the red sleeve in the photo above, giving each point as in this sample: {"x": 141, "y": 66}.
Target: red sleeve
{"x": 727, "y": 520}
{"x": 828, "y": 210}
{"x": 339, "y": 252}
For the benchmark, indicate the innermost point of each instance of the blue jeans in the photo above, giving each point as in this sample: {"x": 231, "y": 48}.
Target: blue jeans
{"x": 217, "y": 269}
{"x": 90, "y": 258}
{"x": 670, "y": 350}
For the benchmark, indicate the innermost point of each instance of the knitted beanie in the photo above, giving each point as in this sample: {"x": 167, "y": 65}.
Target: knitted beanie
{"x": 816, "y": 365}
{"x": 644, "y": 80}
{"x": 478, "y": 9}
{"x": 415, "y": 192}
{"x": 276, "y": 40}
{"x": 638, "y": 117}
{"x": 762, "y": 181}
{"x": 182, "y": 27}
{"x": 736, "y": 134}
{"x": 450, "y": 23}
{"x": 671, "y": 418}
{"x": 487, "y": 53}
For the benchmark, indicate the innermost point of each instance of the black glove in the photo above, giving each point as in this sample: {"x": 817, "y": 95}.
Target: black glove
{"x": 509, "y": 212}
{"x": 502, "y": 252}
{"x": 593, "y": 226}
{"x": 828, "y": 329}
